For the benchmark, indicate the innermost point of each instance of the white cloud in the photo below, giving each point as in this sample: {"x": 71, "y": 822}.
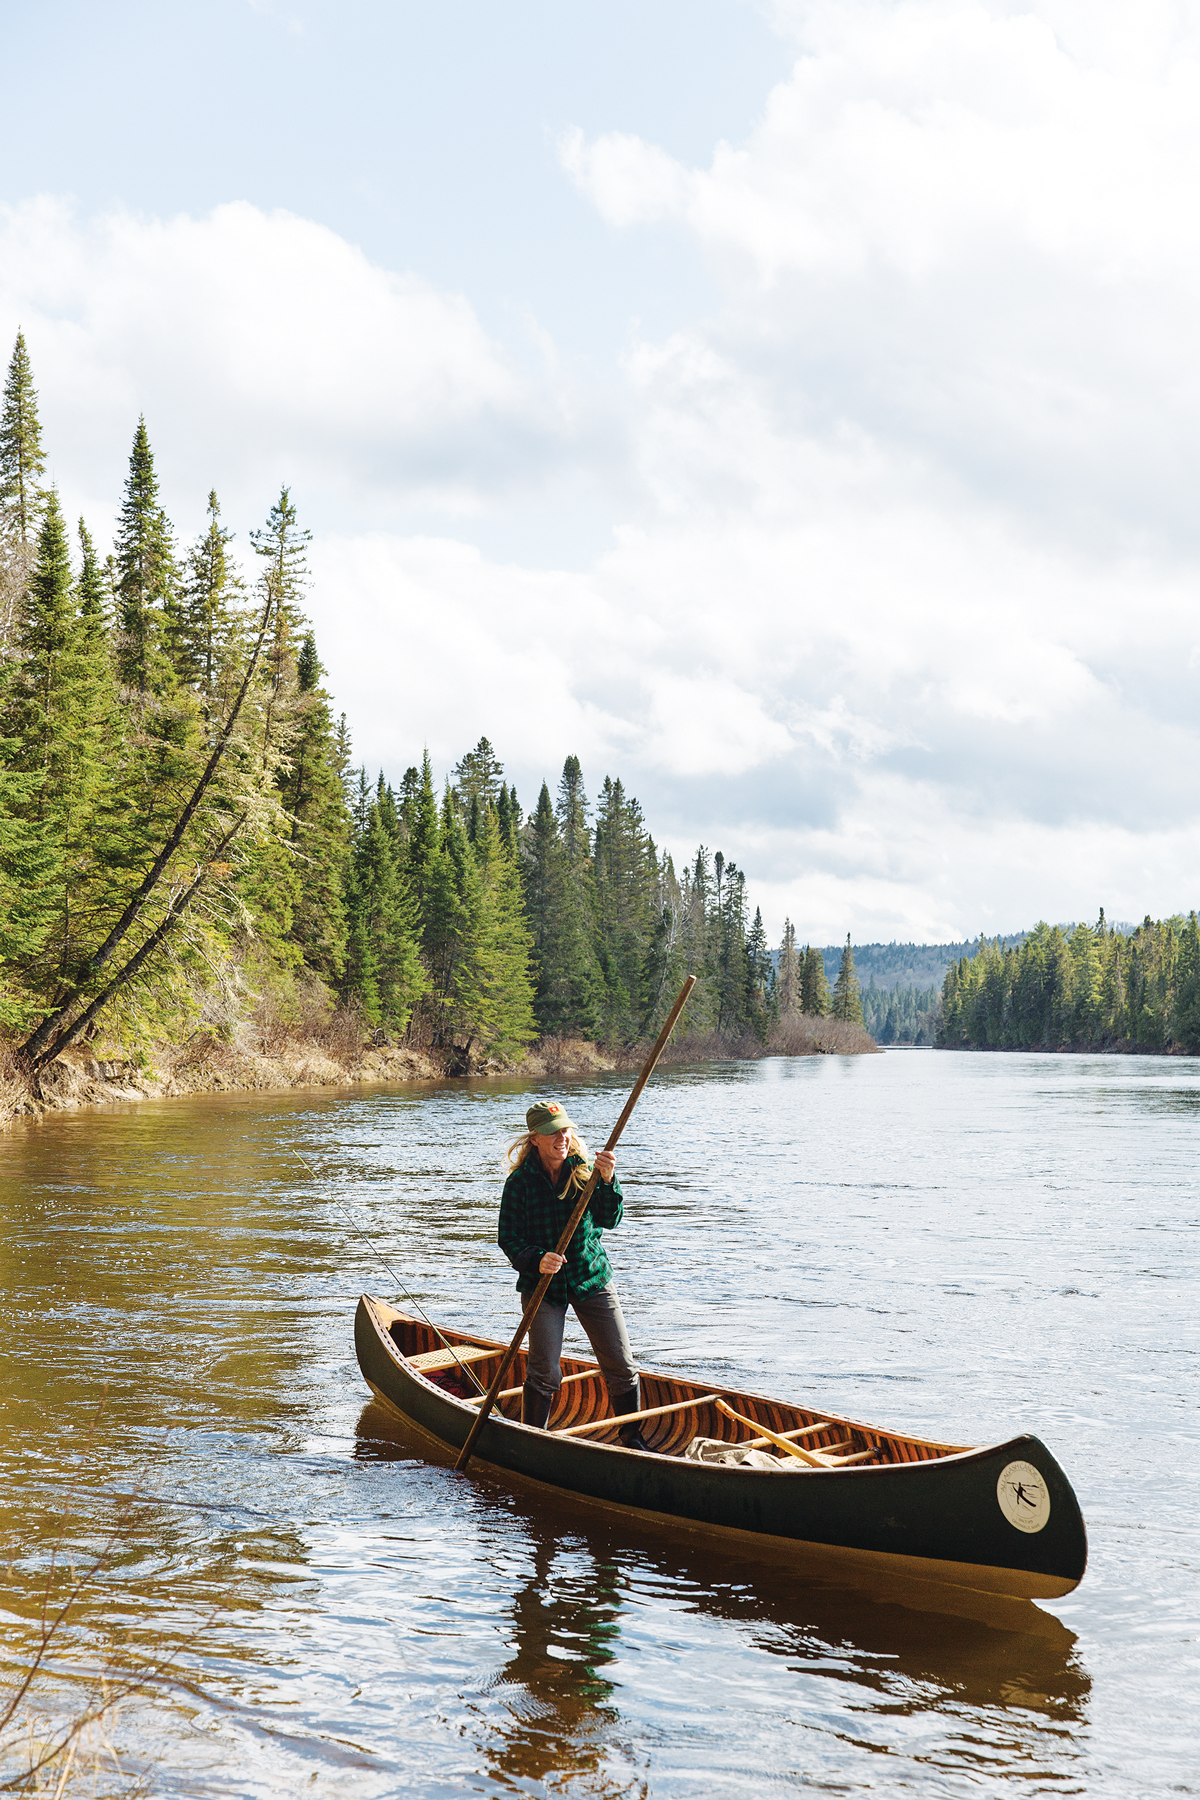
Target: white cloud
{"x": 263, "y": 347}
{"x": 971, "y": 230}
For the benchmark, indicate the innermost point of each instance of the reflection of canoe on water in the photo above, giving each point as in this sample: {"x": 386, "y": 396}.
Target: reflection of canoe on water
{"x": 1003, "y": 1518}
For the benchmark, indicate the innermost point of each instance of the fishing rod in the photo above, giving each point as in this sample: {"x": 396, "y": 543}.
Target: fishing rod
{"x": 464, "y": 1368}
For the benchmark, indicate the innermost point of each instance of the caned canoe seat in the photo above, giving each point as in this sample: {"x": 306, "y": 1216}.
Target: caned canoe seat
{"x": 430, "y": 1360}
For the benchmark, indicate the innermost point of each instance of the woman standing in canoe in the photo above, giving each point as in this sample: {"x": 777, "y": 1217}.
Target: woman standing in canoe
{"x": 549, "y": 1171}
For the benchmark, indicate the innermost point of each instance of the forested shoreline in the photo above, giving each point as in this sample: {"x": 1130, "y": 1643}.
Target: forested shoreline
{"x": 191, "y": 866}
{"x": 1087, "y": 987}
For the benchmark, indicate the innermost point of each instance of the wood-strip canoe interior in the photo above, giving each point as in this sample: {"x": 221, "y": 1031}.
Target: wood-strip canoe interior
{"x": 586, "y": 1401}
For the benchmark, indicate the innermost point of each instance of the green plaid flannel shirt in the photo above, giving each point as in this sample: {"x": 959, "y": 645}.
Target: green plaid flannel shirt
{"x": 532, "y": 1217}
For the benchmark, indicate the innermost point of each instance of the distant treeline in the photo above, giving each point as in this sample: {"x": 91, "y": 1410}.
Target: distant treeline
{"x": 902, "y": 1015}
{"x": 181, "y": 826}
{"x": 1083, "y": 988}
{"x": 896, "y": 965}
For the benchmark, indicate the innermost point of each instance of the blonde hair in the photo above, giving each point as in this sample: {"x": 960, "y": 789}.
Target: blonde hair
{"x": 523, "y": 1147}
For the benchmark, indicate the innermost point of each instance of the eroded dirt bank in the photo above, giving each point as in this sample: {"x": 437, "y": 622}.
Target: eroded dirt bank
{"x": 264, "y": 1056}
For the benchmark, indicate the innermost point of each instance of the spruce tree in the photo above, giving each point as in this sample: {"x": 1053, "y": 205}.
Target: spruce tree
{"x": 383, "y": 967}
{"x": 1185, "y": 1009}
{"x": 788, "y": 983}
{"x": 625, "y": 871}
{"x": 508, "y": 817}
{"x": 22, "y": 465}
{"x": 450, "y": 924}
{"x": 212, "y": 594}
{"x": 569, "y": 986}
{"x": 58, "y": 734}
{"x": 91, "y": 593}
{"x": 501, "y": 973}
{"x": 764, "y": 1004}
{"x": 666, "y": 961}
{"x": 145, "y": 578}
{"x": 847, "y": 995}
{"x": 478, "y": 776}
{"x": 282, "y": 545}
{"x": 420, "y": 814}
{"x": 311, "y": 791}
{"x": 815, "y": 998}
{"x": 22, "y": 460}
{"x": 406, "y": 807}
{"x": 735, "y": 1005}
{"x": 572, "y": 813}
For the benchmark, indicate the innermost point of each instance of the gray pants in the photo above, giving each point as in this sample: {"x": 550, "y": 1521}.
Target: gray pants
{"x": 600, "y": 1315}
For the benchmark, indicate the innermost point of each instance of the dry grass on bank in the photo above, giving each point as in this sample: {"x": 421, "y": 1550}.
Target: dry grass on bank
{"x": 803, "y": 1034}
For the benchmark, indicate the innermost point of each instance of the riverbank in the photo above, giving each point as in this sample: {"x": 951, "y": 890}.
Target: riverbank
{"x": 332, "y": 1048}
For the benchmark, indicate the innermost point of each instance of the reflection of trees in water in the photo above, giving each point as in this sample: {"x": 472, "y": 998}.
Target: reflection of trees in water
{"x": 993, "y": 1690}
{"x": 565, "y": 1632}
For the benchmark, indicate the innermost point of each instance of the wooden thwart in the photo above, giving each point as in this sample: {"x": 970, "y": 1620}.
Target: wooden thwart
{"x": 649, "y": 1412}
{"x": 799, "y": 1432}
{"x": 823, "y": 1458}
{"x": 807, "y": 1456}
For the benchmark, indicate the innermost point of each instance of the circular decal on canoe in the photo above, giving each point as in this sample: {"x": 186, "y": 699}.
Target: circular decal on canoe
{"x": 1023, "y": 1497}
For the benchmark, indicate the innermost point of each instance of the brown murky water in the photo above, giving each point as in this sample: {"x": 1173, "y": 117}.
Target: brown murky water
{"x": 961, "y": 1245}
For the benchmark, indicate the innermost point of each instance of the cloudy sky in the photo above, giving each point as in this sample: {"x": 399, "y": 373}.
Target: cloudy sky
{"x": 793, "y": 409}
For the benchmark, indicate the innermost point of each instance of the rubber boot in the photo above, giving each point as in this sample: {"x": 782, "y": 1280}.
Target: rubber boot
{"x": 630, "y": 1435}
{"x": 535, "y": 1406}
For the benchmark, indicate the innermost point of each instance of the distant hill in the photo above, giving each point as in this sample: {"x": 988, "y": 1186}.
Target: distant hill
{"x": 914, "y": 965}
{"x": 903, "y": 965}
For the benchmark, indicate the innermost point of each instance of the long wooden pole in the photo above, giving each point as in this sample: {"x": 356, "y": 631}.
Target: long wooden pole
{"x": 539, "y": 1292}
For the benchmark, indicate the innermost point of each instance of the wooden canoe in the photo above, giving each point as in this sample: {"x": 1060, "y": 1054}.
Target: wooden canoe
{"x": 879, "y": 1500}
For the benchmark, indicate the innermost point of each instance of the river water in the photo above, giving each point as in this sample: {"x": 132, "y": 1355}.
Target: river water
{"x": 964, "y": 1246}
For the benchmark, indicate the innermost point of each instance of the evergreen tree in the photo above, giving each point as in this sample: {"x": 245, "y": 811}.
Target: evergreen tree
{"x": 1185, "y": 1022}
{"x": 501, "y": 975}
{"x": 282, "y": 546}
{"x": 508, "y": 817}
{"x": 22, "y": 460}
{"x": 666, "y": 957}
{"x": 212, "y": 592}
{"x": 815, "y": 998}
{"x": 145, "y": 577}
{"x": 788, "y": 980}
{"x": 406, "y": 806}
{"x": 478, "y": 776}
{"x": 57, "y": 734}
{"x": 22, "y": 465}
{"x": 91, "y": 594}
{"x": 310, "y": 786}
{"x": 271, "y": 883}
{"x": 761, "y": 977}
{"x": 625, "y": 869}
{"x": 450, "y": 931}
{"x": 569, "y": 985}
{"x": 697, "y": 944}
{"x": 735, "y": 1011}
{"x": 420, "y": 814}
{"x": 847, "y": 995}
{"x": 573, "y": 813}
{"x": 383, "y": 969}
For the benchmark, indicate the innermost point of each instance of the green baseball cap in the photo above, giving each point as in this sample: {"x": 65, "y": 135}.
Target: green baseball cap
{"x": 547, "y": 1117}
